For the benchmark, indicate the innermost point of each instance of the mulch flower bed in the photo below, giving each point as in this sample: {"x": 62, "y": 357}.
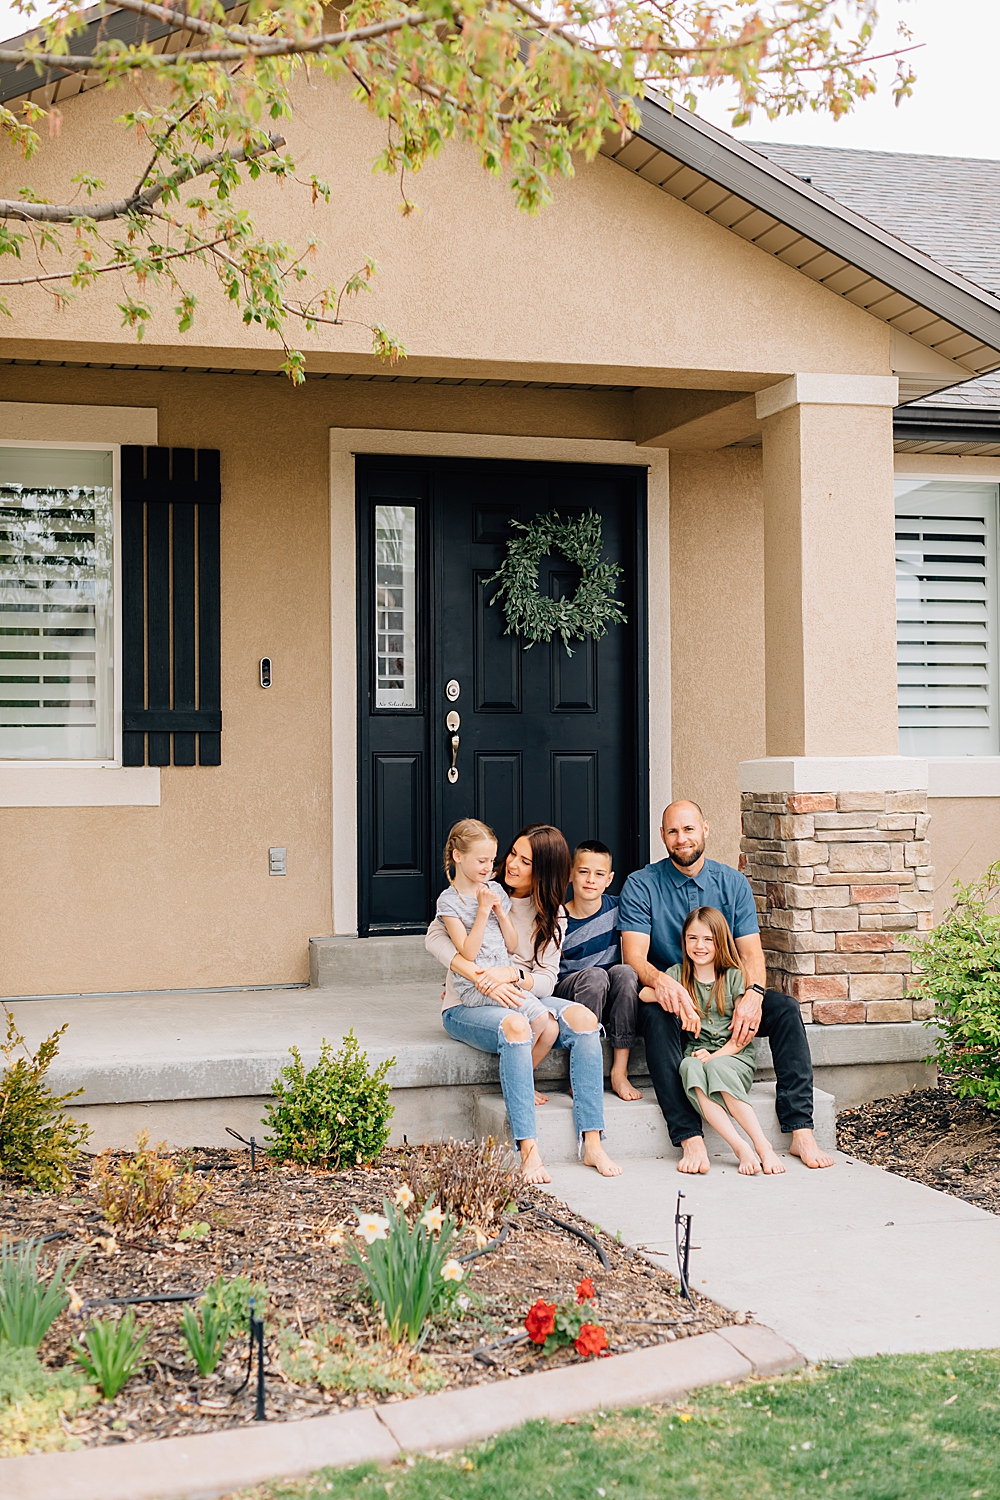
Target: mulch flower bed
{"x": 930, "y": 1136}
{"x": 285, "y": 1227}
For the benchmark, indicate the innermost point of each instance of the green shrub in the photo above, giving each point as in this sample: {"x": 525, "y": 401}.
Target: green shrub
{"x": 959, "y": 969}
{"x": 39, "y": 1142}
{"x": 28, "y": 1305}
{"x": 336, "y": 1115}
{"x": 33, "y": 1402}
{"x": 408, "y": 1271}
{"x": 111, "y": 1352}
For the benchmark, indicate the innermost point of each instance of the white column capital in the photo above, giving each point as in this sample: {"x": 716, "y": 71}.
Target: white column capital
{"x": 833, "y": 773}
{"x": 827, "y": 390}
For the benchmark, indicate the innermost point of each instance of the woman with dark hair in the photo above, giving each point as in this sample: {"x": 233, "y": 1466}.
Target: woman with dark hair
{"x": 535, "y": 876}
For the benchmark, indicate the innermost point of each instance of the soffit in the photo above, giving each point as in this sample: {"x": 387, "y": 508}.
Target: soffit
{"x": 756, "y": 198}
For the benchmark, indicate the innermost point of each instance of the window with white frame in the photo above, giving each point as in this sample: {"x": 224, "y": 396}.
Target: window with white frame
{"x": 946, "y": 614}
{"x": 56, "y": 606}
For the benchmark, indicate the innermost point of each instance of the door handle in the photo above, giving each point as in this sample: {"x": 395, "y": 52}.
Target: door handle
{"x": 453, "y": 769}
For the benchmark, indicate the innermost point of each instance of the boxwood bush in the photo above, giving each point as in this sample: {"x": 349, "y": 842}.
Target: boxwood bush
{"x": 335, "y": 1115}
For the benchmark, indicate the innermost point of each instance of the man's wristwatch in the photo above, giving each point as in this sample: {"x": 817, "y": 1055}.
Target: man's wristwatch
{"x": 758, "y": 987}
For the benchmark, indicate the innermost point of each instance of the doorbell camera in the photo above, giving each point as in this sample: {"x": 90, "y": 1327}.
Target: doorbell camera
{"x": 265, "y": 671}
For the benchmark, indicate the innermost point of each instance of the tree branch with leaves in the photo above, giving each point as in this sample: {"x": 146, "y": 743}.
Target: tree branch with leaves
{"x": 533, "y": 88}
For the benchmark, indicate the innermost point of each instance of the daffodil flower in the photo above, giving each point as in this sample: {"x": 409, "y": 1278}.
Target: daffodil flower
{"x": 451, "y": 1271}
{"x": 403, "y": 1196}
{"x": 372, "y": 1227}
{"x": 336, "y": 1236}
{"x": 433, "y": 1220}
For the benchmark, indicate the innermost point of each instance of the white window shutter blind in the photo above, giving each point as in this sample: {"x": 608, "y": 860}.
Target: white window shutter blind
{"x": 946, "y": 613}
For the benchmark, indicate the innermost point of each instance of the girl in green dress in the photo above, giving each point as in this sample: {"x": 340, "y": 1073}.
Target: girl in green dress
{"x": 717, "y": 1074}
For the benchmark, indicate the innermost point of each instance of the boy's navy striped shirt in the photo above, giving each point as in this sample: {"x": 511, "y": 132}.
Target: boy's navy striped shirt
{"x": 591, "y": 942}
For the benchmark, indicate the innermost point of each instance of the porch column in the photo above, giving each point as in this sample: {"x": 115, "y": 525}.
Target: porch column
{"x": 834, "y": 820}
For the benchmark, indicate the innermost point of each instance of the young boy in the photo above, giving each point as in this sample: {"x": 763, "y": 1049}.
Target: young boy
{"x": 591, "y": 971}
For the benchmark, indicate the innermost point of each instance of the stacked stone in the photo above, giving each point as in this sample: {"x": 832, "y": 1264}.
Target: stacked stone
{"x": 841, "y": 880}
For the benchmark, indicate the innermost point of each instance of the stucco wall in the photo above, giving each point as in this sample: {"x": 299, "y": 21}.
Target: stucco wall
{"x": 717, "y": 631}
{"x": 615, "y": 281}
{"x": 179, "y": 896}
{"x": 965, "y": 839}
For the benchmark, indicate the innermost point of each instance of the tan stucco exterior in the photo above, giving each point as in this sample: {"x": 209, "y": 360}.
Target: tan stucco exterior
{"x": 717, "y": 631}
{"x": 830, "y": 621}
{"x": 615, "y": 285}
{"x": 613, "y": 282}
{"x": 966, "y": 833}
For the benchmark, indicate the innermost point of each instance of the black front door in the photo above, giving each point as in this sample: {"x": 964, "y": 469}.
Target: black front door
{"x": 542, "y": 736}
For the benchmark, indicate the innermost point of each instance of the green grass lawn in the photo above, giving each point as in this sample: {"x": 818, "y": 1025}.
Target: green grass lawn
{"x": 890, "y": 1428}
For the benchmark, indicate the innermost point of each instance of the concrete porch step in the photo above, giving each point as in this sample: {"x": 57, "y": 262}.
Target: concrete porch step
{"x": 637, "y": 1129}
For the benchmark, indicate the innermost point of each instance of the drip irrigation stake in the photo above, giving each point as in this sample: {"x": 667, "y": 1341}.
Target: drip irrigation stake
{"x": 581, "y": 1234}
{"x": 463, "y": 1260}
{"x": 257, "y": 1331}
{"x": 682, "y": 1240}
{"x": 252, "y": 1143}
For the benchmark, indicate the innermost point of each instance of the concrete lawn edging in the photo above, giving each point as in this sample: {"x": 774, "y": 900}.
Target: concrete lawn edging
{"x": 209, "y": 1465}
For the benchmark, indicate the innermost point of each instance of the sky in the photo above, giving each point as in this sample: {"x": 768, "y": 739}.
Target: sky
{"x": 952, "y": 112}
{"x": 953, "y": 108}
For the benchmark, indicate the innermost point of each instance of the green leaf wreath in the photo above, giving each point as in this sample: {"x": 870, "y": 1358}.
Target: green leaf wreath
{"x": 592, "y": 609}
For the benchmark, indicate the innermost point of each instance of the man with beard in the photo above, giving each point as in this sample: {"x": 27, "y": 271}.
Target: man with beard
{"x": 651, "y": 912}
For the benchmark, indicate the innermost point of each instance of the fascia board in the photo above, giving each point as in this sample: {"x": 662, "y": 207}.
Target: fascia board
{"x": 104, "y": 22}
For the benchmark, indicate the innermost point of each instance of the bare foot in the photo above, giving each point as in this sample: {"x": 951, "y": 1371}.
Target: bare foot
{"x": 748, "y": 1160}
{"x": 532, "y": 1166}
{"x": 771, "y": 1163}
{"x": 622, "y": 1087}
{"x": 805, "y": 1148}
{"x": 594, "y": 1155}
{"x": 694, "y": 1156}
{"x": 541, "y": 1098}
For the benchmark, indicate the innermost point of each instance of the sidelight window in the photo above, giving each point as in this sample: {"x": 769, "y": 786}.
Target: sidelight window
{"x": 395, "y": 606}
{"x": 946, "y": 617}
{"x": 56, "y": 619}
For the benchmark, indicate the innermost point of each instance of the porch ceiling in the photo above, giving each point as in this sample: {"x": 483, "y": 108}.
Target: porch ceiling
{"x": 753, "y": 197}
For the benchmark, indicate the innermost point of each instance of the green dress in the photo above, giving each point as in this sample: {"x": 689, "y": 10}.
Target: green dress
{"x": 732, "y": 1074}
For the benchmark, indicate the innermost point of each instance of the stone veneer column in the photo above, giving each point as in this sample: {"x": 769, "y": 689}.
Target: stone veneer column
{"x": 841, "y": 880}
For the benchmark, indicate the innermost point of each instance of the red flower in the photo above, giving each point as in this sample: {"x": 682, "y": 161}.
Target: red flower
{"x": 541, "y": 1321}
{"x": 591, "y": 1340}
{"x": 585, "y": 1290}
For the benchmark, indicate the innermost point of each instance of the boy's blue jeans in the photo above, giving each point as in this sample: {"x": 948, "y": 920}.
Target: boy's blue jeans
{"x": 480, "y": 1026}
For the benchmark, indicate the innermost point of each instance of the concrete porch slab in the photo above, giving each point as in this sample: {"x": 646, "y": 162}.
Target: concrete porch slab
{"x": 184, "y": 1065}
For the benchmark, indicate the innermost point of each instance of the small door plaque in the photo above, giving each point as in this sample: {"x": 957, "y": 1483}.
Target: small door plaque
{"x": 452, "y": 691}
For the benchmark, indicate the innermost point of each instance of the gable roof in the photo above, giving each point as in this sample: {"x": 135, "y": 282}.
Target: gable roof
{"x": 757, "y": 197}
{"x": 923, "y": 288}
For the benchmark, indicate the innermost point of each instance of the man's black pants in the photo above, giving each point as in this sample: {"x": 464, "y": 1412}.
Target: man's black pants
{"x": 781, "y": 1023}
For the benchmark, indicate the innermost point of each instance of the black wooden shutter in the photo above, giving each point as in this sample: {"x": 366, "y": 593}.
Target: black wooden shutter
{"x": 170, "y": 606}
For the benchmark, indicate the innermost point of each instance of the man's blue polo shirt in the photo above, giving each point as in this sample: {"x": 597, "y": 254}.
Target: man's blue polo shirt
{"x": 657, "y": 899}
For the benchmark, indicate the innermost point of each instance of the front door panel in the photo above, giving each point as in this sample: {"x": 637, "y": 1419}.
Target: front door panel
{"x": 544, "y": 736}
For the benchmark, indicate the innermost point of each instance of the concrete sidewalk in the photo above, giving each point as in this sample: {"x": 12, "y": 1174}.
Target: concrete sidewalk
{"x": 843, "y": 1262}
